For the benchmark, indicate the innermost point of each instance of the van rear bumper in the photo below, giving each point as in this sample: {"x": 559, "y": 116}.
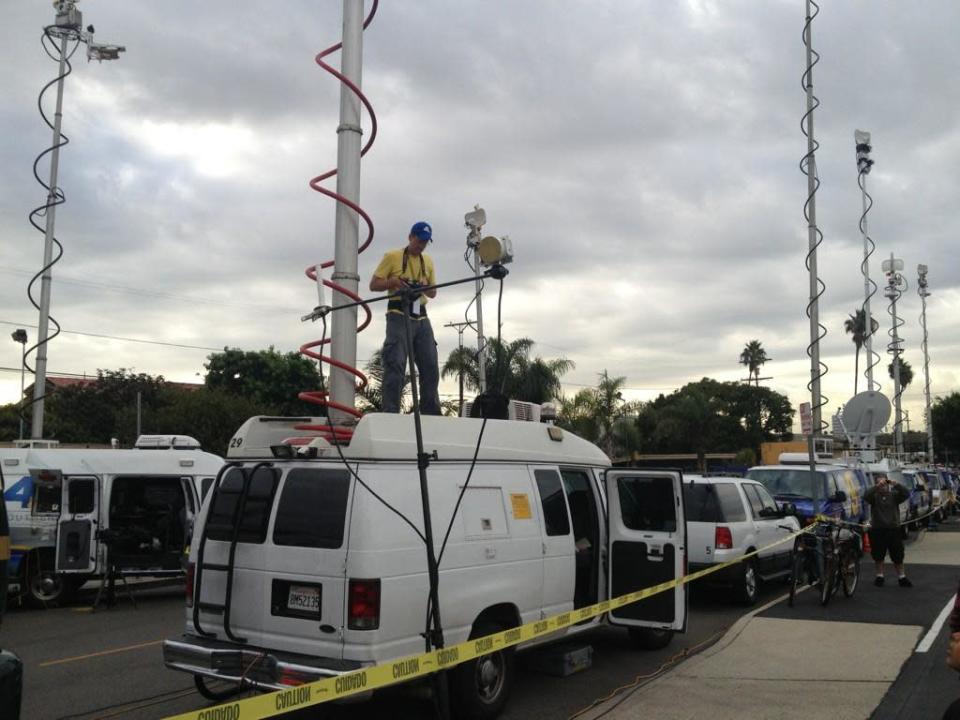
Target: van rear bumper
{"x": 252, "y": 667}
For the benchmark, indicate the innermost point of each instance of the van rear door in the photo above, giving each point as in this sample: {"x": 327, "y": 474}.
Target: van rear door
{"x": 646, "y": 545}
{"x": 288, "y": 583}
{"x": 77, "y": 543}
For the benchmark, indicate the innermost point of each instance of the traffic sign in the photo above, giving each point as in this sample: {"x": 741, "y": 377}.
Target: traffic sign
{"x": 806, "y": 418}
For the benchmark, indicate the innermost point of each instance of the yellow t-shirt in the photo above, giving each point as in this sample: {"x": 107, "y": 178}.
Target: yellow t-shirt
{"x": 419, "y": 269}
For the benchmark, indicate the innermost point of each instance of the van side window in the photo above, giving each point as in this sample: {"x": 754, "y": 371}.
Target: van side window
{"x": 647, "y": 503}
{"x": 256, "y": 512}
{"x": 555, "y": 516}
{"x": 312, "y": 509}
{"x": 205, "y": 487}
{"x": 80, "y": 496}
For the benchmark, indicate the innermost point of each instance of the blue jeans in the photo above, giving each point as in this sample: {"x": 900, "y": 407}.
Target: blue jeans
{"x": 395, "y": 364}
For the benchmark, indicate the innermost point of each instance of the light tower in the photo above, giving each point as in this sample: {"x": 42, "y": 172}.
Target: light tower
{"x": 67, "y": 28}
{"x": 923, "y": 290}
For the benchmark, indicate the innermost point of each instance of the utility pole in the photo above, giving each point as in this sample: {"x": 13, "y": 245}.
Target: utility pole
{"x": 923, "y": 289}
{"x": 460, "y": 327}
{"x": 66, "y": 28}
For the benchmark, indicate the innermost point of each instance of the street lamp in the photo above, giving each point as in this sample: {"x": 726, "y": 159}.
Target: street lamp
{"x": 20, "y": 335}
{"x": 67, "y": 28}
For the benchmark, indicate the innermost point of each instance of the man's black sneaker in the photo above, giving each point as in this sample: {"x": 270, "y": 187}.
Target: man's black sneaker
{"x": 905, "y": 582}
{"x": 878, "y": 581}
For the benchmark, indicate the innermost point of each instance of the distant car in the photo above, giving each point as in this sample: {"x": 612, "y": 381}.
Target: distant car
{"x": 920, "y": 499}
{"x": 729, "y": 517}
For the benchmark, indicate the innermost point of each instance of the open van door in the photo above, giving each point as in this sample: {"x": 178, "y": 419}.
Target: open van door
{"x": 647, "y": 545}
{"x": 77, "y": 528}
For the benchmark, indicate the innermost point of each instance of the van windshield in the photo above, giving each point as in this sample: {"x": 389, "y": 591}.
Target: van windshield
{"x": 787, "y": 482}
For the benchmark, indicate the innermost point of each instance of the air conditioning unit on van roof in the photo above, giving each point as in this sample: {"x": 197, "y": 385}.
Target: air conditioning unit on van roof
{"x": 796, "y": 458}
{"x": 517, "y": 409}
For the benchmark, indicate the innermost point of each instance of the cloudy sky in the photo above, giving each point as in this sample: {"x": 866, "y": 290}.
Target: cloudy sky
{"x": 643, "y": 157}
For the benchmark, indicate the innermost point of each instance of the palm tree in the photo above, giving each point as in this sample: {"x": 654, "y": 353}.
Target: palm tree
{"x": 856, "y": 325}
{"x": 753, "y": 356}
{"x": 906, "y": 373}
{"x": 510, "y": 370}
{"x": 602, "y": 416}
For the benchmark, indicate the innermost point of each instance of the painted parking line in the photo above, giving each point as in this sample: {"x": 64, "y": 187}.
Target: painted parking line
{"x": 101, "y": 653}
{"x": 927, "y": 642}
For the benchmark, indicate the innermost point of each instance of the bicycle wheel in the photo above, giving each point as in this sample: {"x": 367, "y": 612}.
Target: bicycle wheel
{"x": 828, "y": 583}
{"x": 850, "y": 570}
{"x": 796, "y": 576}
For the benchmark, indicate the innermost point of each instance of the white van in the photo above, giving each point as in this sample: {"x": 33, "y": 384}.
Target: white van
{"x": 77, "y": 513}
{"x": 310, "y": 567}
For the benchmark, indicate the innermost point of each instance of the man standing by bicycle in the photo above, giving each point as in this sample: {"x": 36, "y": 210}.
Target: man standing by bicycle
{"x": 884, "y": 499}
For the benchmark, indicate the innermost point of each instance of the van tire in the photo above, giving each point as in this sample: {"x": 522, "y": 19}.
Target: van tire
{"x": 481, "y": 687}
{"x": 646, "y": 638}
{"x": 42, "y": 586}
{"x": 747, "y": 587}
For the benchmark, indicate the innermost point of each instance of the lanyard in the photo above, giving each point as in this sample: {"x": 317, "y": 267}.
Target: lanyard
{"x": 423, "y": 266}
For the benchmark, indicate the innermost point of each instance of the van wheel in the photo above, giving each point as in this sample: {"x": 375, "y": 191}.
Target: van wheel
{"x": 43, "y": 586}
{"x": 650, "y": 638}
{"x": 747, "y": 583}
{"x": 215, "y": 694}
{"x": 481, "y": 686}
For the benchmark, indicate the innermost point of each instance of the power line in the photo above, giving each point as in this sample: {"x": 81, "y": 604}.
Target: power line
{"x": 154, "y": 293}
{"x": 123, "y": 339}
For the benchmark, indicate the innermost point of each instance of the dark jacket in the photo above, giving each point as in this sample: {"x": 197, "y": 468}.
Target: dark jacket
{"x": 884, "y": 502}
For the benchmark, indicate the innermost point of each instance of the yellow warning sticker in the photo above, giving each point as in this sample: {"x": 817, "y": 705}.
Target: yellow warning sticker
{"x": 521, "y": 506}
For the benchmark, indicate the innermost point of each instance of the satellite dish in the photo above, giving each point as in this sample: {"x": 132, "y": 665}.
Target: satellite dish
{"x": 866, "y": 413}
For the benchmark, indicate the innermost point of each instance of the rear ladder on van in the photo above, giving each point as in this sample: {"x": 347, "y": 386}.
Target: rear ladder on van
{"x": 231, "y": 522}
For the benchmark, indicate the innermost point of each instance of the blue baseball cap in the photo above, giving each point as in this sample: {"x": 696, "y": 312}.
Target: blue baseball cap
{"x": 422, "y": 231}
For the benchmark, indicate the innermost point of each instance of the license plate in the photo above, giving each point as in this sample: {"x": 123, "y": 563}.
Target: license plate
{"x": 304, "y": 598}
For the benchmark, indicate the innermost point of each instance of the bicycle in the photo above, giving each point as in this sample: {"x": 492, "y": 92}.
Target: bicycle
{"x": 828, "y": 556}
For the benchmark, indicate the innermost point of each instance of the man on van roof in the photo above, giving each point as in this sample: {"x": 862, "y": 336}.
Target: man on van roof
{"x": 404, "y": 270}
{"x": 884, "y": 499}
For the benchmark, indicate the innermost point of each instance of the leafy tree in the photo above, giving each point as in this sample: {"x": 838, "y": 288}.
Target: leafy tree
{"x": 92, "y": 413}
{"x": 753, "y": 356}
{"x": 906, "y": 372}
{"x": 266, "y": 377}
{"x": 945, "y": 417}
{"x": 211, "y": 416}
{"x": 856, "y": 327}
{"x": 10, "y": 422}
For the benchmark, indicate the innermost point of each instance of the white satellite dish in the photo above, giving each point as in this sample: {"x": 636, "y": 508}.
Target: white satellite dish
{"x": 866, "y": 413}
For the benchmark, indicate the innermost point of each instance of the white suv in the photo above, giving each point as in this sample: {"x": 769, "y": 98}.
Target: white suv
{"x": 729, "y": 517}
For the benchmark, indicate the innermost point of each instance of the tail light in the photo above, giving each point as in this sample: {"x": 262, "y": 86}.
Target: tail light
{"x": 364, "y": 605}
{"x": 723, "y": 538}
{"x": 191, "y": 567}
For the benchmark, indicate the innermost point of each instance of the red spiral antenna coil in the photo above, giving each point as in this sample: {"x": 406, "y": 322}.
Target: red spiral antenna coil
{"x": 321, "y": 397}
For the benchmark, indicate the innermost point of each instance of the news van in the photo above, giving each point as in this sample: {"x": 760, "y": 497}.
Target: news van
{"x": 79, "y": 513}
{"x": 310, "y": 563}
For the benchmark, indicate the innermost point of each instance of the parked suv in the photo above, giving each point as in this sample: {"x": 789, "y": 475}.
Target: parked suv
{"x": 729, "y": 517}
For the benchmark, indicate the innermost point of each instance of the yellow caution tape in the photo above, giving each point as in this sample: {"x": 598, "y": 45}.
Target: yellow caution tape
{"x": 414, "y": 666}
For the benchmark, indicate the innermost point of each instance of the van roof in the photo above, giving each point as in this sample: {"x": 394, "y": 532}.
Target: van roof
{"x": 382, "y": 436}
{"x": 81, "y": 461}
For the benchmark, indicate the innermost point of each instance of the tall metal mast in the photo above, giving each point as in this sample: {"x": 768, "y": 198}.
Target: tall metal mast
{"x": 864, "y": 164}
{"x": 67, "y": 28}
{"x": 896, "y": 285}
{"x": 924, "y": 292}
{"x": 809, "y": 166}
{"x": 343, "y": 333}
